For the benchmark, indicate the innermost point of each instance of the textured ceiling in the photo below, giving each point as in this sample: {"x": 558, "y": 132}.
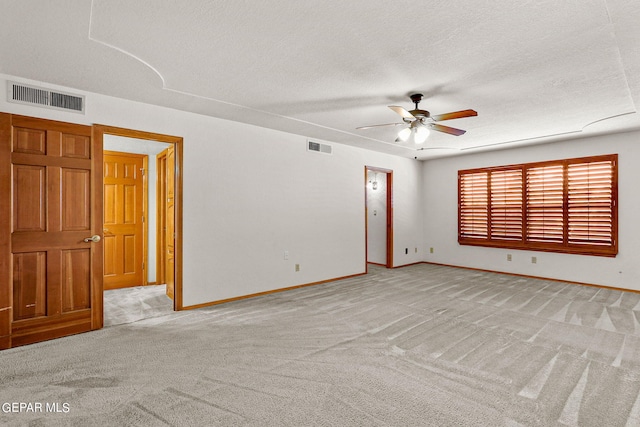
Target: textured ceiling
{"x": 534, "y": 71}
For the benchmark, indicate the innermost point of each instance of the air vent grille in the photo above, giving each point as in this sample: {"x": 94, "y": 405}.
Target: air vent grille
{"x": 33, "y": 95}
{"x": 319, "y": 147}
{"x": 30, "y": 95}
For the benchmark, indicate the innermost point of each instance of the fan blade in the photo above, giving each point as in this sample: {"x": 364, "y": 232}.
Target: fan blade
{"x": 377, "y": 126}
{"x": 454, "y": 115}
{"x": 404, "y": 113}
{"x": 447, "y": 129}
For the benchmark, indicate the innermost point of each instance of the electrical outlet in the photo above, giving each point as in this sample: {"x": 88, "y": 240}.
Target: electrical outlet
{"x": 297, "y": 267}
{"x": 430, "y": 250}
{"x": 416, "y": 250}
{"x": 508, "y": 257}
{"x": 534, "y": 260}
{"x": 286, "y": 255}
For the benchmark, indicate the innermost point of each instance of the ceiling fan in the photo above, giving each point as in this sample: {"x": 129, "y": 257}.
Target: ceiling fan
{"x": 421, "y": 121}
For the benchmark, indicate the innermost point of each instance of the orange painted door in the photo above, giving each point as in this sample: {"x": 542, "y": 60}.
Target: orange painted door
{"x": 54, "y": 271}
{"x": 123, "y": 220}
{"x": 170, "y": 224}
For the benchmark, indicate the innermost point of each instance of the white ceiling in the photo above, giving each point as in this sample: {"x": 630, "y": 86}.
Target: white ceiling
{"x": 533, "y": 70}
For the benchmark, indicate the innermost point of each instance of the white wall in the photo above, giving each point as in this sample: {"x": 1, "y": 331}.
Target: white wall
{"x": 377, "y": 218}
{"x": 252, "y": 193}
{"x": 440, "y": 215}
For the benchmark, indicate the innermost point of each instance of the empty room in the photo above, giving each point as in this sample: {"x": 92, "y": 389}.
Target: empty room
{"x": 341, "y": 213}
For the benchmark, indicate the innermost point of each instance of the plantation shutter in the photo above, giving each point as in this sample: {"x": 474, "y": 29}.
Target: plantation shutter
{"x": 506, "y": 204}
{"x": 590, "y": 203}
{"x": 545, "y": 212}
{"x": 473, "y": 199}
{"x": 567, "y": 206}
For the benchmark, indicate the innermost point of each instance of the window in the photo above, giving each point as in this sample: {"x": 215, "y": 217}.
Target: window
{"x": 560, "y": 206}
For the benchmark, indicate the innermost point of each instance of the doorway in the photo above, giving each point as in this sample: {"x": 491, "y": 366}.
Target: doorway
{"x": 152, "y": 144}
{"x": 379, "y": 216}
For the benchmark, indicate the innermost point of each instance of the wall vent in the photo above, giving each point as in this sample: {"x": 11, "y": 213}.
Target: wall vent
{"x": 33, "y": 95}
{"x": 318, "y": 147}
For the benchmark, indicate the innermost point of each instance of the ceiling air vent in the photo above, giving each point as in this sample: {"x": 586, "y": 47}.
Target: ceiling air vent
{"x": 318, "y": 147}
{"x": 33, "y": 95}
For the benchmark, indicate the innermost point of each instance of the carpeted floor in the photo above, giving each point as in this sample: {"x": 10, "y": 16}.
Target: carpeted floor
{"x": 129, "y": 305}
{"x": 422, "y": 345}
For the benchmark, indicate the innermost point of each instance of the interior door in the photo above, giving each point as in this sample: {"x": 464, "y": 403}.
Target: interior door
{"x": 161, "y": 216}
{"x": 123, "y": 220}
{"x": 170, "y": 222}
{"x": 53, "y": 244}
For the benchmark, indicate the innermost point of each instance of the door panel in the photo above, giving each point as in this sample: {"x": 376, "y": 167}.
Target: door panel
{"x": 123, "y": 220}
{"x": 52, "y": 270}
{"x": 29, "y": 285}
{"x": 76, "y": 146}
{"x": 29, "y": 140}
{"x": 28, "y": 204}
{"x": 76, "y": 193}
{"x": 76, "y": 285}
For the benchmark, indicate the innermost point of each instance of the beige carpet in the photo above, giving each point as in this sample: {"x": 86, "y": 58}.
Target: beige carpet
{"x": 129, "y": 305}
{"x": 419, "y": 346}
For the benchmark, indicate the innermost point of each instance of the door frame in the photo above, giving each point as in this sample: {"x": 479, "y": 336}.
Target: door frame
{"x": 98, "y": 133}
{"x": 161, "y": 204}
{"x": 389, "y": 245}
{"x": 6, "y": 291}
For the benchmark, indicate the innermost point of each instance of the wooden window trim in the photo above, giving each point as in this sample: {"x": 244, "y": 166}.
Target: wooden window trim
{"x": 605, "y": 246}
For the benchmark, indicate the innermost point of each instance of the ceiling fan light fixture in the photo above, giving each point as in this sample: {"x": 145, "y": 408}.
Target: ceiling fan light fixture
{"x": 421, "y": 134}
{"x": 404, "y": 134}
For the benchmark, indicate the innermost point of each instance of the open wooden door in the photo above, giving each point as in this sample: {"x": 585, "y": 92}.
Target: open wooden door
{"x": 170, "y": 222}
{"x": 51, "y": 232}
{"x": 123, "y": 220}
{"x": 161, "y": 216}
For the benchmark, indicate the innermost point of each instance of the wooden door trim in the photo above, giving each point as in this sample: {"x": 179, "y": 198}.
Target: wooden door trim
{"x": 6, "y": 290}
{"x": 99, "y": 132}
{"x": 389, "y": 243}
{"x": 145, "y": 223}
{"x": 161, "y": 203}
{"x": 97, "y": 300}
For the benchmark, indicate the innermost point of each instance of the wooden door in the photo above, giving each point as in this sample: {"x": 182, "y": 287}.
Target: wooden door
{"x": 170, "y": 221}
{"x": 54, "y": 269}
{"x": 161, "y": 217}
{"x": 123, "y": 220}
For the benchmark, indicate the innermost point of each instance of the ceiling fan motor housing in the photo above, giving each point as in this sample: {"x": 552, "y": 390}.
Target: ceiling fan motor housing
{"x": 418, "y": 113}
{"x": 416, "y": 98}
